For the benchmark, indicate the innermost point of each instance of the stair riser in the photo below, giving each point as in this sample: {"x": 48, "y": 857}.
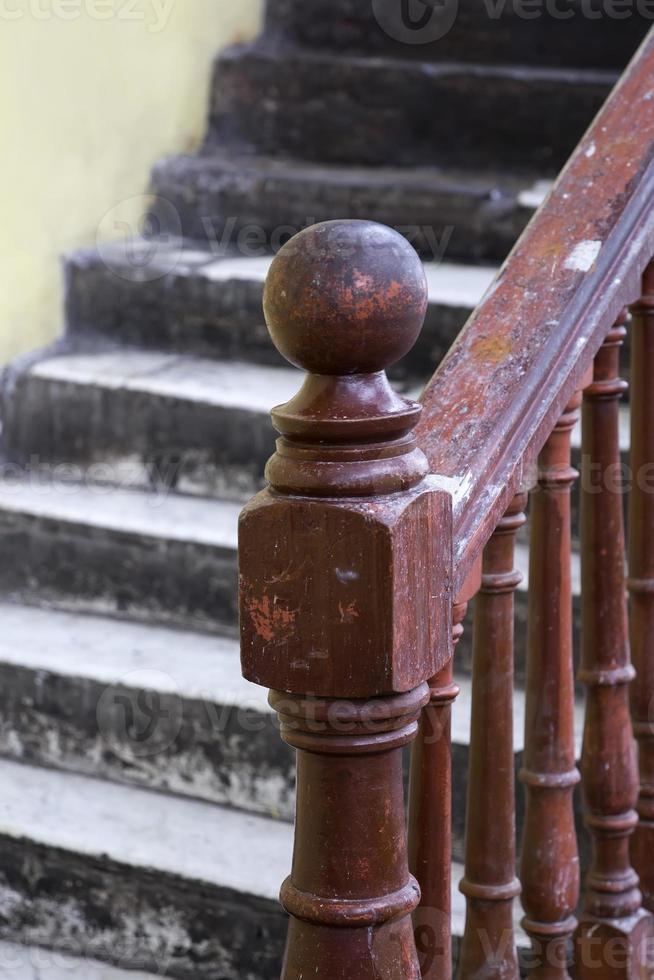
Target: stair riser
{"x": 222, "y": 753}
{"x": 137, "y": 438}
{"x": 212, "y": 198}
{"x": 144, "y": 920}
{"x": 78, "y": 567}
{"x": 383, "y": 112}
{"x": 503, "y": 37}
{"x": 192, "y": 313}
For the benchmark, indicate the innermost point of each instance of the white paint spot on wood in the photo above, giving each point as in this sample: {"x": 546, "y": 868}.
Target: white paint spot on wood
{"x": 583, "y": 256}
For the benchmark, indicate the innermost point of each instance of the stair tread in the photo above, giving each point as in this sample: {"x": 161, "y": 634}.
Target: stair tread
{"x": 37, "y": 963}
{"x": 154, "y": 832}
{"x": 480, "y": 183}
{"x": 115, "y": 651}
{"x": 154, "y": 515}
{"x": 236, "y": 384}
{"x": 291, "y": 52}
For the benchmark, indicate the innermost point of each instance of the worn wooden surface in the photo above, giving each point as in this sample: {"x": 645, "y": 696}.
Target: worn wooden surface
{"x": 345, "y": 593}
{"x": 490, "y": 885}
{"x": 641, "y": 574}
{"x": 350, "y": 894}
{"x": 430, "y": 818}
{"x": 549, "y": 870}
{"x": 613, "y": 927}
{"x": 500, "y": 391}
{"x": 345, "y": 597}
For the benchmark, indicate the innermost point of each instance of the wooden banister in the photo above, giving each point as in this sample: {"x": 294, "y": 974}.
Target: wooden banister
{"x": 356, "y": 563}
{"x": 503, "y": 386}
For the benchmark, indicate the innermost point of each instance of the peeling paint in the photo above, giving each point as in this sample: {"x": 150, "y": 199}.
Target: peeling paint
{"x": 583, "y": 256}
{"x": 348, "y": 613}
{"x": 272, "y": 621}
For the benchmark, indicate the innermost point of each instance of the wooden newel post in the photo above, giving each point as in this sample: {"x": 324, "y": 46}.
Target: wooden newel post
{"x": 345, "y": 566}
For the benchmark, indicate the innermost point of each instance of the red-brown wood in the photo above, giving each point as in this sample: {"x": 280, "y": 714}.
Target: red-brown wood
{"x": 641, "y": 575}
{"x": 500, "y": 391}
{"x": 430, "y": 819}
{"x": 350, "y": 894}
{"x": 490, "y": 885}
{"x": 614, "y": 930}
{"x": 549, "y": 870}
{"x": 430, "y": 811}
{"x": 345, "y": 590}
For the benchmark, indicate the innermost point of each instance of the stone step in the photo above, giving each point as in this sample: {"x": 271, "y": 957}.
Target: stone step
{"x": 258, "y": 202}
{"x": 151, "y": 419}
{"x": 162, "y": 884}
{"x": 495, "y": 32}
{"x": 93, "y": 548}
{"x": 166, "y": 885}
{"x": 146, "y": 418}
{"x": 286, "y": 101}
{"x": 99, "y": 544}
{"x": 117, "y": 700}
{"x": 174, "y": 295}
{"x": 38, "y": 963}
{"x": 161, "y": 708}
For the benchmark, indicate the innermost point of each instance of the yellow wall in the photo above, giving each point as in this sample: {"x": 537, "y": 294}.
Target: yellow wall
{"x": 92, "y": 93}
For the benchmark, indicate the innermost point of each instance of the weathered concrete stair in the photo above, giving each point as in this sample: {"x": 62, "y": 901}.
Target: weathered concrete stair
{"x": 346, "y": 109}
{"x": 158, "y": 558}
{"x": 496, "y": 32}
{"x": 327, "y": 114}
{"x": 147, "y": 816}
{"x": 220, "y": 197}
{"x": 197, "y": 421}
{"x": 172, "y": 294}
{"x": 172, "y": 886}
{"x": 37, "y": 963}
{"x": 162, "y": 709}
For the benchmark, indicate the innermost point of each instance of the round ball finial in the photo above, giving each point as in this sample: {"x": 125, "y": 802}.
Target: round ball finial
{"x": 345, "y": 297}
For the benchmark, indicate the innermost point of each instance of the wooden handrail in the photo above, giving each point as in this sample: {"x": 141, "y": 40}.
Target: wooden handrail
{"x": 494, "y": 400}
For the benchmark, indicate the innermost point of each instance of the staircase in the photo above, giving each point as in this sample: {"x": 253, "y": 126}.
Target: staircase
{"x": 145, "y": 818}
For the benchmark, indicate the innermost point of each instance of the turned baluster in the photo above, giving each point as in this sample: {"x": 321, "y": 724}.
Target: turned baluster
{"x": 641, "y": 575}
{"x": 345, "y": 571}
{"x": 488, "y": 948}
{"x": 430, "y": 815}
{"x": 613, "y": 930}
{"x": 549, "y": 870}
